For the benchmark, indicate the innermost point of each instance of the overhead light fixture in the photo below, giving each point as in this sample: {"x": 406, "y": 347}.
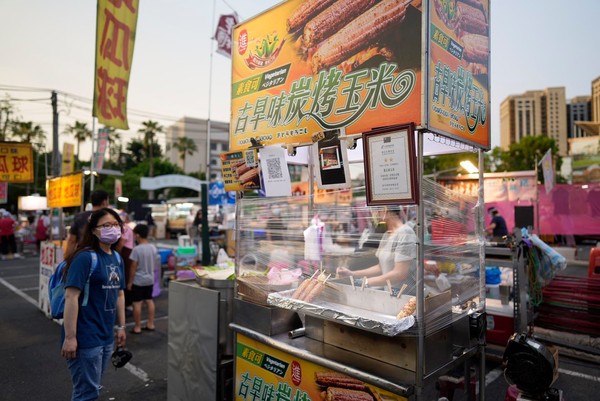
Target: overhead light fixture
{"x": 123, "y": 199}
{"x": 469, "y": 167}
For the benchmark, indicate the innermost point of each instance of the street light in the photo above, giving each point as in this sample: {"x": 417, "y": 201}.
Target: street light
{"x": 469, "y": 167}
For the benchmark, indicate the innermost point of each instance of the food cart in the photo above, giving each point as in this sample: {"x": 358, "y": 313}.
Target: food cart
{"x": 356, "y": 94}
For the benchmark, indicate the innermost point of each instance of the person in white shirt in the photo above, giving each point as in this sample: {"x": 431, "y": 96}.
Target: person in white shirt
{"x": 397, "y": 254}
{"x": 144, "y": 260}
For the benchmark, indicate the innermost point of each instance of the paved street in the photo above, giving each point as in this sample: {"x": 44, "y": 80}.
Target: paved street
{"x": 32, "y": 369}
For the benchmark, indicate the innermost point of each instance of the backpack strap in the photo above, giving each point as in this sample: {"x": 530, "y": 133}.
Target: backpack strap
{"x": 86, "y": 292}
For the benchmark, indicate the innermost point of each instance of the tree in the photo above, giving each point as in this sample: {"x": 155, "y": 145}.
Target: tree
{"x": 447, "y": 163}
{"x": 25, "y": 131}
{"x": 114, "y": 143}
{"x": 81, "y": 133}
{"x": 137, "y": 153}
{"x": 6, "y": 109}
{"x": 524, "y": 154}
{"x": 185, "y": 146}
{"x": 150, "y": 129}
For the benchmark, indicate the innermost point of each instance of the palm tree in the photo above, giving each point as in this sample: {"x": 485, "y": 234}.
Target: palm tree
{"x": 6, "y": 109}
{"x": 185, "y": 146}
{"x": 81, "y": 133}
{"x": 114, "y": 143}
{"x": 150, "y": 129}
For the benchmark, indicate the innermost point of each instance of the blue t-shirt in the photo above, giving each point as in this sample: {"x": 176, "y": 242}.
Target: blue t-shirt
{"x": 500, "y": 229}
{"x": 96, "y": 320}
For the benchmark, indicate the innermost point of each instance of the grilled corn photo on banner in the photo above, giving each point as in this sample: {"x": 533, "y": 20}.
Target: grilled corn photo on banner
{"x": 459, "y": 91}
{"x": 308, "y": 66}
{"x": 264, "y": 373}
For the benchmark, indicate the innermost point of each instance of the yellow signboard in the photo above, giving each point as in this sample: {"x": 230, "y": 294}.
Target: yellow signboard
{"x": 64, "y": 191}
{"x": 16, "y": 162}
{"x": 116, "y": 24}
{"x": 459, "y": 80}
{"x": 264, "y": 373}
{"x": 299, "y": 69}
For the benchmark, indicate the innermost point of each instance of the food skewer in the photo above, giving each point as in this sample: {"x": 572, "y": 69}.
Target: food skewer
{"x": 352, "y": 282}
{"x": 316, "y": 290}
{"x": 389, "y": 284}
{"x": 303, "y": 286}
{"x": 402, "y": 289}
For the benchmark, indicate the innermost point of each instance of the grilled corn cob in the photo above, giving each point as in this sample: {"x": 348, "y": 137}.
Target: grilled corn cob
{"x": 305, "y": 11}
{"x": 333, "y": 19}
{"x": 359, "y": 33}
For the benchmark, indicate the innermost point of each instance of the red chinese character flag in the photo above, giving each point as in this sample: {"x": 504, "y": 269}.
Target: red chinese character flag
{"x": 115, "y": 37}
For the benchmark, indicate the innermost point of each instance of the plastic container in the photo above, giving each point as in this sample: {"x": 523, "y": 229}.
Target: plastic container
{"x": 492, "y": 291}
{"x": 164, "y": 255}
{"x": 500, "y": 322}
{"x": 493, "y": 275}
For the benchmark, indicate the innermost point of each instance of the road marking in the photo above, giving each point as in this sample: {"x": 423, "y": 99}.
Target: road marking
{"x": 137, "y": 372}
{"x": 493, "y": 375}
{"x": 19, "y": 292}
{"x": 25, "y": 276}
{"x": 579, "y": 375}
{"x": 134, "y": 370}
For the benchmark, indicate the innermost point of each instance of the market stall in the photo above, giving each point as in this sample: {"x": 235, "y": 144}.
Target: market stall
{"x": 350, "y": 97}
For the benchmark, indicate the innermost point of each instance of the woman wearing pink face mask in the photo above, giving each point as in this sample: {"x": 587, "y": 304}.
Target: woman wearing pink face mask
{"x": 90, "y": 331}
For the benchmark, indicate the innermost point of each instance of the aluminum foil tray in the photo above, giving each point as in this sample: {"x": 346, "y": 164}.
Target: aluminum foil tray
{"x": 368, "y": 309}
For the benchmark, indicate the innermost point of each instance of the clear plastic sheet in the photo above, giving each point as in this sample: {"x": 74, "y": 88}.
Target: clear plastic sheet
{"x": 283, "y": 242}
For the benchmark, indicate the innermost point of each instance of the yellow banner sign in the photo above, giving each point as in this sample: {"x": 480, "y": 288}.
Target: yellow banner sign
{"x": 115, "y": 38}
{"x": 265, "y": 373}
{"x": 459, "y": 80}
{"x": 298, "y": 70}
{"x": 16, "y": 162}
{"x": 64, "y": 191}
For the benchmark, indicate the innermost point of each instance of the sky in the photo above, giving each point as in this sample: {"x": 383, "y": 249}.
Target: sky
{"x": 49, "y": 45}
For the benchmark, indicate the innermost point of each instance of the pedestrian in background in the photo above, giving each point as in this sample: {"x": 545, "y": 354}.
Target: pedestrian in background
{"x": 41, "y": 229}
{"x": 8, "y": 242}
{"x": 87, "y": 334}
{"x": 99, "y": 200}
{"x": 144, "y": 260}
{"x": 124, "y": 247}
{"x": 497, "y": 228}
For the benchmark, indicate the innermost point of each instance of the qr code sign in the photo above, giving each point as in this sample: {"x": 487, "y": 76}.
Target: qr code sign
{"x": 250, "y": 158}
{"x": 274, "y": 168}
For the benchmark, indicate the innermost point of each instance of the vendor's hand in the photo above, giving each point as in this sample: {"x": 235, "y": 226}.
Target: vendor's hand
{"x": 343, "y": 272}
{"x": 129, "y": 287}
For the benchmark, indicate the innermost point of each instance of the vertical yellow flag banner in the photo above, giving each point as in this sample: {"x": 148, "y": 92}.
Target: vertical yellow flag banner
{"x": 115, "y": 37}
{"x": 68, "y": 159}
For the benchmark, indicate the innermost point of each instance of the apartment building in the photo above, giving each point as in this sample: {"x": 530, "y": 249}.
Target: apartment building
{"x": 196, "y": 129}
{"x": 578, "y": 109}
{"x": 538, "y": 112}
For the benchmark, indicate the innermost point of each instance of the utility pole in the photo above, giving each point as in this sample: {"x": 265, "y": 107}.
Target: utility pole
{"x": 55, "y": 158}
